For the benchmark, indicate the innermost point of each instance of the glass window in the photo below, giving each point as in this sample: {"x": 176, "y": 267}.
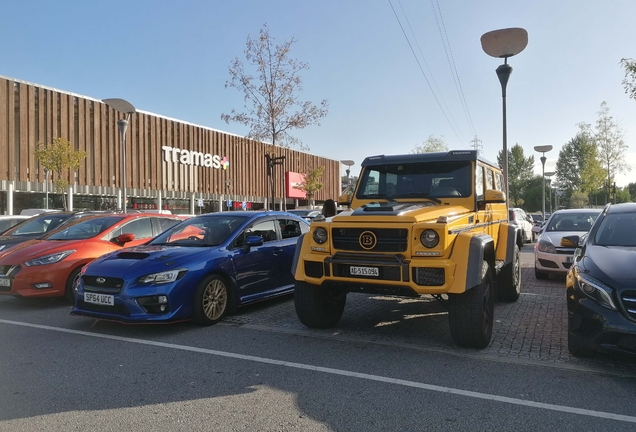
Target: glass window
{"x": 571, "y": 221}
{"x": 165, "y": 223}
{"x": 617, "y": 230}
{"x": 490, "y": 184}
{"x": 141, "y": 228}
{"x": 479, "y": 182}
{"x": 40, "y": 224}
{"x": 266, "y": 230}
{"x": 291, "y": 228}
{"x": 83, "y": 228}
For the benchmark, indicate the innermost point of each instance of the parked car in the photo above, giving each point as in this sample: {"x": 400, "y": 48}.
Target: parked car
{"x": 8, "y": 221}
{"x": 200, "y": 269}
{"x": 520, "y": 218}
{"x": 600, "y": 288}
{"x": 307, "y": 214}
{"x": 49, "y": 267}
{"x": 34, "y": 227}
{"x": 553, "y": 255}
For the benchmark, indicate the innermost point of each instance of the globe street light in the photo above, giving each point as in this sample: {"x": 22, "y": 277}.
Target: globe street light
{"x": 126, "y": 108}
{"x": 504, "y": 43}
{"x": 348, "y": 163}
{"x": 543, "y": 149}
{"x": 549, "y": 176}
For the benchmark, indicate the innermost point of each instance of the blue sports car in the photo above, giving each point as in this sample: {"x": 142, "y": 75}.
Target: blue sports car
{"x": 200, "y": 269}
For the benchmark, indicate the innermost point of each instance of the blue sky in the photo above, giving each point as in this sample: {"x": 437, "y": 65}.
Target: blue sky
{"x": 172, "y": 58}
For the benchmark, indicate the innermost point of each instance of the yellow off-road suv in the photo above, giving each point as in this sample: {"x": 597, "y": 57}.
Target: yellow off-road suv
{"x": 419, "y": 224}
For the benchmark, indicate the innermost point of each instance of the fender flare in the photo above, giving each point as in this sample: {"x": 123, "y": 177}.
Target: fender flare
{"x": 299, "y": 247}
{"x": 514, "y": 233}
{"x": 482, "y": 248}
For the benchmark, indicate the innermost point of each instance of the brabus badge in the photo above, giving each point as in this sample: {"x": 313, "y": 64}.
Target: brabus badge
{"x": 100, "y": 280}
{"x": 367, "y": 240}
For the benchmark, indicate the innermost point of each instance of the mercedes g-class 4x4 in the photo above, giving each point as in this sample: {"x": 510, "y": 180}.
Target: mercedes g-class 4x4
{"x": 419, "y": 224}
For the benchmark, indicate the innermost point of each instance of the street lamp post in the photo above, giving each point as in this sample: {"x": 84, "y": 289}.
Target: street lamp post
{"x": 543, "y": 149}
{"x": 504, "y": 43}
{"x": 549, "y": 176}
{"x": 349, "y": 164}
{"x": 126, "y": 108}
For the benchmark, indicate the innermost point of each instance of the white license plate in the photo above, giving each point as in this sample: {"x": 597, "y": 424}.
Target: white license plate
{"x": 100, "y": 299}
{"x": 5, "y": 282}
{"x": 364, "y": 271}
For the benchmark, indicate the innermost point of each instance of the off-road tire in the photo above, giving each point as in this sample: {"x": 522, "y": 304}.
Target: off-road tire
{"x": 541, "y": 275}
{"x": 509, "y": 281}
{"x": 212, "y": 301}
{"x": 470, "y": 314}
{"x": 318, "y": 307}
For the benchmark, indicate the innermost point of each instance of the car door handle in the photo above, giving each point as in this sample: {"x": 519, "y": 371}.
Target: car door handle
{"x": 278, "y": 251}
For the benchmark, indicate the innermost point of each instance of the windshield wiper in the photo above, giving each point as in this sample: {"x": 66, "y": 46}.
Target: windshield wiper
{"x": 417, "y": 195}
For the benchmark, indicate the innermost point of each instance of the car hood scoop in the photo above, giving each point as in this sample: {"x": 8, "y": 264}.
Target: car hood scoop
{"x": 390, "y": 208}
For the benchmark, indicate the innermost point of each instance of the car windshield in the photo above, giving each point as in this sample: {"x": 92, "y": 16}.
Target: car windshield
{"x": 38, "y": 225}
{"x": 82, "y": 229}
{"x": 571, "y": 221}
{"x": 416, "y": 180}
{"x": 201, "y": 231}
{"x": 617, "y": 230}
{"x": 536, "y": 217}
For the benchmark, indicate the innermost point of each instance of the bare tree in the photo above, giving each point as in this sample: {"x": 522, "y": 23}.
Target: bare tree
{"x": 431, "y": 145}
{"x": 629, "y": 82}
{"x": 611, "y": 146}
{"x": 272, "y": 107}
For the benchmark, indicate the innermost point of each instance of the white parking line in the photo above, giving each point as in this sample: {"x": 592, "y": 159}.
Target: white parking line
{"x": 430, "y": 387}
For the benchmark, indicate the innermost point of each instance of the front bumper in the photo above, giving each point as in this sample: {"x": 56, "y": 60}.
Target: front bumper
{"x": 598, "y": 328}
{"x": 557, "y": 263}
{"x": 22, "y": 281}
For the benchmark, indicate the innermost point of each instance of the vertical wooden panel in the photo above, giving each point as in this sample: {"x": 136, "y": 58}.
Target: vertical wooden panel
{"x": 11, "y": 130}
{"x": 41, "y": 127}
{"x": 63, "y": 115}
{"x": 155, "y": 161}
{"x": 22, "y": 150}
{"x": 4, "y": 136}
{"x": 132, "y": 155}
{"x": 81, "y": 141}
{"x": 31, "y": 127}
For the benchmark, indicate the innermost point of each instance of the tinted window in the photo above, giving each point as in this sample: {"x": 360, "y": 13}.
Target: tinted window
{"x": 84, "y": 228}
{"x": 39, "y": 225}
{"x": 617, "y": 230}
{"x": 201, "y": 230}
{"x": 291, "y": 228}
{"x": 165, "y": 223}
{"x": 141, "y": 228}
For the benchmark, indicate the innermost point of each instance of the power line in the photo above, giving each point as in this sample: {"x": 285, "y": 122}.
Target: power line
{"x": 430, "y": 72}
{"x": 451, "y": 63}
{"x": 422, "y": 70}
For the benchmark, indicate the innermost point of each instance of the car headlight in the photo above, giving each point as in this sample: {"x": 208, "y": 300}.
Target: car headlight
{"x": 49, "y": 259}
{"x": 596, "y": 290}
{"x": 429, "y": 238}
{"x": 163, "y": 277}
{"x": 320, "y": 235}
{"x": 546, "y": 246}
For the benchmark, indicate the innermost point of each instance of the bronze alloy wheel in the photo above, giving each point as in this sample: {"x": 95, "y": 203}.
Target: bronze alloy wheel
{"x": 215, "y": 299}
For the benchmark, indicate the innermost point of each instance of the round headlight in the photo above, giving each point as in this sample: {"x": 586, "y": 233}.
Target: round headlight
{"x": 320, "y": 235}
{"x": 429, "y": 238}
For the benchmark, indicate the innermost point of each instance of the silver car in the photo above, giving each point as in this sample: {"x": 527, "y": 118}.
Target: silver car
{"x": 553, "y": 254}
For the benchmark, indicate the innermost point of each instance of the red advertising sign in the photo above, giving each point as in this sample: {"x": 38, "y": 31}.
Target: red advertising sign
{"x": 292, "y": 181}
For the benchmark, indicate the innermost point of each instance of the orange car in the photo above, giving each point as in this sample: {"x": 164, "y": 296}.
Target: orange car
{"x": 49, "y": 267}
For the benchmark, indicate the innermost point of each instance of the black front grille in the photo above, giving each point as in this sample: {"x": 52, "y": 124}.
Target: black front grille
{"x": 4, "y": 269}
{"x": 118, "y": 309}
{"x": 313, "y": 269}
{"x": 102, "y": 284}
{"x": 388, "y": 239}
{"x": 629, "y": 303}
{"x": 428, "y": 276}
{"x": 548, "y": 263}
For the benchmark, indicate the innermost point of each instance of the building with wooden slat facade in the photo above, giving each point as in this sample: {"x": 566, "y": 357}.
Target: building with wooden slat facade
{"x": 171, "y": 164}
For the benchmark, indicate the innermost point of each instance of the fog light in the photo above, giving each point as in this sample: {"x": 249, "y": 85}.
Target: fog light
{"x": 162, "y": 308}
{"x": 42, "y": 285}
{"x": 162, "y": 300}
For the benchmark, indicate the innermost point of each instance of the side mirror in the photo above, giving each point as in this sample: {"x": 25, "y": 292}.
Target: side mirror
{"x": 570, "y": 241}
{"x": 494, "y": 196}
{"x": 252, "y": 241}
{"x": 124, "y": 238}
{"x": 345, "y": 198}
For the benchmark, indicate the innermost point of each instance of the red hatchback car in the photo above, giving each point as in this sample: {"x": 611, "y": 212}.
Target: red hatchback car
{"x": 50, "y": 266}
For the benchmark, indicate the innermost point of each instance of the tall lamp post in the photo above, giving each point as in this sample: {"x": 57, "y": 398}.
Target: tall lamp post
{"x": 549, "y": 176}
{"x": 349, "y": 164}
{"x": 126, "y": 108}
{"x": 504, "y": 43}
{"x": 543, "y": 150}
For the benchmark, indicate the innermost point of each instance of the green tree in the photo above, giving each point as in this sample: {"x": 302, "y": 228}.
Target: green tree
{"x": 311, "y": 183}
{"x": 272, "y": 103}
{"x": 578, "y": 167}
{"x": 62, "y": 160}
{"x": 579, "y": 199}
{"x": 622, "y": 195}
{"x": 611, "y": 146}
{"x": 520, "y": 172}
{"x": 431, "y": 145}
{"x": 532, "y": 195}
{"x": 631, "y": 187}
{"x": 629, "y": 82}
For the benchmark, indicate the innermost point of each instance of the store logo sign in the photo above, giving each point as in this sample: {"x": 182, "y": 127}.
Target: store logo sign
{"x": 189, "y": 157}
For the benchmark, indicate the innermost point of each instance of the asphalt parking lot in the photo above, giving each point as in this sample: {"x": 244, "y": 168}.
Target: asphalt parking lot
{"x": 532, "y": 330}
